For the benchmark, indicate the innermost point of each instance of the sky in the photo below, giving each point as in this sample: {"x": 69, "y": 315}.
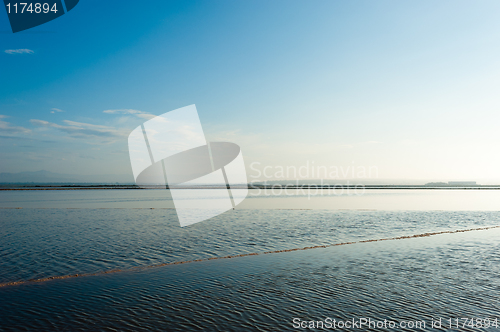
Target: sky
{"x": 408, "y": 87}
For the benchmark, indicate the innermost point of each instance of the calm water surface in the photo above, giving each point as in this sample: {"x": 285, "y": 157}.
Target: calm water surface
{"x": 69, "y": 232}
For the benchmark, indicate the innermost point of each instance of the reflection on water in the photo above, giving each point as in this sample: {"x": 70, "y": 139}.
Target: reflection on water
{"x": 372, "y": 199}
{"x": 76, "y": 232}
{"x": 39, "y": 243}
{"x": 417, "y": 279}
{"x": 369, "y": 199}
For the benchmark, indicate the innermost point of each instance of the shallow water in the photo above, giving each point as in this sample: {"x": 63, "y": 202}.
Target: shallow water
{"x": 257, "y": 199}
{"x": 40, "y": 243}
{"x": 448, "y": 275}
{"x": 444, "y": 276}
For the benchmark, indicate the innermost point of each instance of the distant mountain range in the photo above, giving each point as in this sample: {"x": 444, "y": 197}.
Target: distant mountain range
{"x": 50, "y": 177}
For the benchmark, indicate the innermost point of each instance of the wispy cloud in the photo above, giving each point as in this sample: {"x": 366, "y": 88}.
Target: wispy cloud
{"x": 5, "y": 127}
{"x": 139, "y": 114}
{"x": 20, "y": 51}
{"x": 83, "y": 130}
{"x": 56, "y": 110}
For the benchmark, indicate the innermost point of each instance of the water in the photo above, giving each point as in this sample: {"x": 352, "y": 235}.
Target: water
{"x": 447, "y": 276}
{"x": 369, "y": 199}
{"x": 40, "y": 243}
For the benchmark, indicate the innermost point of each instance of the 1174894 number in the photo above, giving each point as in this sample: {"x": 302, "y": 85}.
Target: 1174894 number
{"x": 30, "y": 7}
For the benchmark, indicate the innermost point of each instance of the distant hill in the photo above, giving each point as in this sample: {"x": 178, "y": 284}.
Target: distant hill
{"x": 50, "y": 177}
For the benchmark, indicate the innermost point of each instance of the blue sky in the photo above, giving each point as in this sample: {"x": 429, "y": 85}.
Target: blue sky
{"x": 409, "y": 87}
